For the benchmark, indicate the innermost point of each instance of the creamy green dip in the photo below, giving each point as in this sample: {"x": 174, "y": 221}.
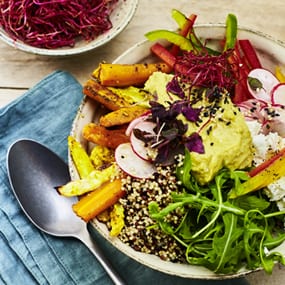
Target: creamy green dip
{"x": 226, "y": 138}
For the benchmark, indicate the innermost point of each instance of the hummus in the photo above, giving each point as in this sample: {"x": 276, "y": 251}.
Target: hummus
{"x": 226, "y": 138}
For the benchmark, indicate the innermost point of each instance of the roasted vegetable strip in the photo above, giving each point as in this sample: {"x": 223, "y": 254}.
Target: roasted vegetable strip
{"x": 122, "y": 116}
{"x": 99, "y": 200}
{"x": 104, "y": 137}
{"x": 94, "y": 180}
{"x": 120, "y": 75}
{"x": 101, "y": 155}
{"x": 133, "y": 95}
{"x": 104, "y": 95}
{"x": 80, "y": 158}
{"x": 117, "y": 219}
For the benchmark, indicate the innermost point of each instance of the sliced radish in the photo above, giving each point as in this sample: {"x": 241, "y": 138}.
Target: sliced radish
{"x": 135, "y": 122}
{"x": 252, "y": 109}
{"x": 274, "y": 120}
{"x": 132, "y": 164}
{"x": 138, "y": 145}
{"x": 268, "y": 82}
{"x": 278, "y": 94}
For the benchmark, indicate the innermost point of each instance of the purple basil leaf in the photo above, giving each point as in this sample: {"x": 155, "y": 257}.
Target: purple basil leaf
{"x": 174, "y": 87}
{"x": 194, "y": 143}
{"x": 191, "y": 114}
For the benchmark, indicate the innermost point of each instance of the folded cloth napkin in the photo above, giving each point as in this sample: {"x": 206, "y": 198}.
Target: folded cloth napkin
{"x": 27, "y": 255}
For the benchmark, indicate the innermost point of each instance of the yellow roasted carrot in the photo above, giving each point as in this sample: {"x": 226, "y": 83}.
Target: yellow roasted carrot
{"x": 101, "y": 155}
{"x": 80, "y": 158}
{"x": 103, "y": 95}
{"x": 94, "y": 180}
{"x": 122, "y": 116}
{"x": 117, "y": 220}
{"x": 120, "y": 75}
{"x": 99, "y": 200}
{"x": 103, "y": 136}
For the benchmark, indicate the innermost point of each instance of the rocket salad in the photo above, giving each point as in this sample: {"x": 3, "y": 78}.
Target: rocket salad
{"x": 165, "y": 128}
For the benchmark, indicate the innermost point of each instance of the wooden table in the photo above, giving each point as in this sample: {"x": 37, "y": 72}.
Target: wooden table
{"x": 20, "y": 71}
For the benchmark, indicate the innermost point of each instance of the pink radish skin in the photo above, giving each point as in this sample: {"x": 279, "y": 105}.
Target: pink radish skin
{"x": 138, "y": 145}
{"x": 278, "y": 94}
{"x": 133, "y": 123}
{"x": 132, "y": 164}
{"x": 268, "y": 81}
{"x": 252, "y": 109}
{"x": 275, "y": 124}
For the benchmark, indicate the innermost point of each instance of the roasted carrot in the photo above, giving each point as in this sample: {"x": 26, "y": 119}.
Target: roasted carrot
{"x": 121, "y": 75}
{"x": 122, "y": 116}
{"x": 87, "y": 184}
{"x": 103, "y": 95}
{"x": 99, "y": 200}
{"x": 103, "y": 136}
{"x": 80, "y": 157}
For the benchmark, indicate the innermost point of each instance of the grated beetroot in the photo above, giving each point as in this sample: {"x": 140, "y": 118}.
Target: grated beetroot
{"x": 205, "y": 70}
{"x": 55, "y": 23}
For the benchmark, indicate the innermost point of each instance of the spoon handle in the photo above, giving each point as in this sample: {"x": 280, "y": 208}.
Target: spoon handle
{"x": 86, "y": 238}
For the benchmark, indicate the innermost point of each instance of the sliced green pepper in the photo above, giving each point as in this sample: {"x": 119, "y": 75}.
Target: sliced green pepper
{"x": 171, "y": 37}
{"x": 179, "y": 18}
{"x": 231, "y": 32}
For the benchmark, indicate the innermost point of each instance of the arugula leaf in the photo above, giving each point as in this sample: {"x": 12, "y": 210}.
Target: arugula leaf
{"x": 224, "y": 245}
{"x": 219, "y": 233}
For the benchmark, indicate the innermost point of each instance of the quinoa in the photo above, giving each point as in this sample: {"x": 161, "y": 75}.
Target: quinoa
{"x": 140, "y": 231}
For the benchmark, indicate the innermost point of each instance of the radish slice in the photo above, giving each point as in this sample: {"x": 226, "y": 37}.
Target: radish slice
{"x": 130, "y": 163}
{"x": 278, "y": 94}
{"x": 134, "y": 123}
{"x": 138, "y": 145}
{"x": 268, "y": 81}
{"x": 274, "y": 121}
{"x": 252, "y": 109}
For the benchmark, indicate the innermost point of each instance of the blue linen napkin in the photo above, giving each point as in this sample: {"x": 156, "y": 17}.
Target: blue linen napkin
{"x": 29, "y": 256}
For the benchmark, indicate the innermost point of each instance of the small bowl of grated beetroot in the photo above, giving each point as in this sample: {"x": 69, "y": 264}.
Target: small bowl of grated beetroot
{"x": 63, "y": 27}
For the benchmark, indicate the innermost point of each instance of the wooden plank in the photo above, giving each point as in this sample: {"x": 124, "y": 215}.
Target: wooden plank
{"x": 8, "y": 95}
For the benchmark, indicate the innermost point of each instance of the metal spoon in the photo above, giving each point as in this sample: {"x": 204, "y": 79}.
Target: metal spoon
{"x": 34, "y": 171}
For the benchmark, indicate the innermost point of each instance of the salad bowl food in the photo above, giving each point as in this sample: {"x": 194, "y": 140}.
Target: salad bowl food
{"x": 271, "y": 54}
{"x": 117, "y": 16}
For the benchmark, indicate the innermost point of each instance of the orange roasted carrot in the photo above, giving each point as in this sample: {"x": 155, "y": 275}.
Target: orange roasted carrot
{"x": 100, "y": 135}
{"x": 99, "y": 200}
{"x": 103, "y": 95}
{"x": 122, "y": 75}
{"x": 122, "y": 116}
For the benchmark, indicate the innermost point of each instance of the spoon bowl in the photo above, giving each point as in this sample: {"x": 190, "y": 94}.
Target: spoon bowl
{"x": 34, "y": 172}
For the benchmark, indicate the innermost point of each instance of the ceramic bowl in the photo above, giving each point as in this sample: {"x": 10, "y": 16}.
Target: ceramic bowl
{"x": 120, "y": 18}
{"x": 271, "y": 53}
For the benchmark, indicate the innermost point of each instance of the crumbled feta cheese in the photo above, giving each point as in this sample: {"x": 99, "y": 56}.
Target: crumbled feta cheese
{"x": 276, "y": 190}
{"x": 265, "y": 146}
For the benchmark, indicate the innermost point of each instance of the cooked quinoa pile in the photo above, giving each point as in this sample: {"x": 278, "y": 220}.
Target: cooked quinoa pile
{"x": 139, "y": 231}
